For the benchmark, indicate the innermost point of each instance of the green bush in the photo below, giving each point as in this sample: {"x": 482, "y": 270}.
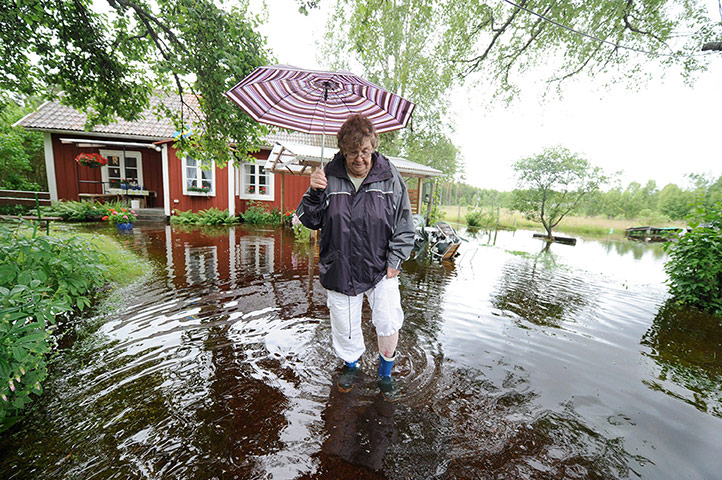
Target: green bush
{"x": 18, "y": 210}
{"x": 257, "y": 214}
{"x": 695, "y": 261}
{"x": 212, "y": 216}
{"x": 650, "y": 217}
{"x": 184, "y": 218}
{"x": 40, "y": 277}
{"x": 478, "y": 218}
{"x": 73, "y": 211}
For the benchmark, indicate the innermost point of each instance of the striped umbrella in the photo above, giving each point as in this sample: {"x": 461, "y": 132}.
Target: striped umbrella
{"x": 317, "y": 102}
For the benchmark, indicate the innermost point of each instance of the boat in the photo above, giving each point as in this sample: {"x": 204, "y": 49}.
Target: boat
{"x": 440, "y": 241}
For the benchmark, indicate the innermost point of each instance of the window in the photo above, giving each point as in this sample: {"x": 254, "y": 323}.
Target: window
{"x": 201, "y": 264}
{"x": 255, "y": 254}
{"x": 256, "y": 182}
{"x": 197, "y": 180}
{"x": 123, "y": 167}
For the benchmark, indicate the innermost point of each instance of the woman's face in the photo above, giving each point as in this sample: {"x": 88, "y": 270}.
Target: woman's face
{"x": 358, "y": 161}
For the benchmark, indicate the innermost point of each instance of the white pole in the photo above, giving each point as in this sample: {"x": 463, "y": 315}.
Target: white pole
{"x": 323, "y": 131}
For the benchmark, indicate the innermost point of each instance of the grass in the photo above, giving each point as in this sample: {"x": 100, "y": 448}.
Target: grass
{"x": 124, "y": 267}
{"x": 592, "y": 226}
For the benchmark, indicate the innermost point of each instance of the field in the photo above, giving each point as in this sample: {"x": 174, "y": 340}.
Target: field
{"x": 595, "y": 226}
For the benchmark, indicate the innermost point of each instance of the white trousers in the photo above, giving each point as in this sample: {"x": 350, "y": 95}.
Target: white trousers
{"x": 386, "y": 315}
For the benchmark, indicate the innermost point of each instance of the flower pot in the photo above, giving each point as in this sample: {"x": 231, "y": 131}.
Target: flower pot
{"x": 124, "y": 227}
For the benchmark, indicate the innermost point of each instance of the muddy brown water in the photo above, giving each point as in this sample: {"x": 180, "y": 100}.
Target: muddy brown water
{"x": 514, "y": 363}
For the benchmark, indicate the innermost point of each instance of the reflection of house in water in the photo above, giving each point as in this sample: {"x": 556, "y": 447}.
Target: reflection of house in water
{"x": 255, "y": 254}
{"x": 197, "y": 256}
{"x": 201, "y": 264}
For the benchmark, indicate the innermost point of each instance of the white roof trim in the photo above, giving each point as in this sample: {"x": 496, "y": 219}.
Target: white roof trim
{"x": 87, "y": 142}
{"x": 300, "y": 160}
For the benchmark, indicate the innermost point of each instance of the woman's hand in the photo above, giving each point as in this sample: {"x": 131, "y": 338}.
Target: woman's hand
{"x": 392, "y": 272}
{"x": 318, "y": 179}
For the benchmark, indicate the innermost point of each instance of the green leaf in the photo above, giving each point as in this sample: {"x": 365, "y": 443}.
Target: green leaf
{"x": 7, "y": 275}
{"x": 19, "y": 353}
{"x": 25, "y": 277}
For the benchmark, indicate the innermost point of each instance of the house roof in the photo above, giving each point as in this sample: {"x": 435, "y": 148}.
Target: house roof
{"x": 54, "y": 117}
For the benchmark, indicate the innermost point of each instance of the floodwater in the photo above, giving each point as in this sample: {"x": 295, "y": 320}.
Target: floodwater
{"x": 515, "y": 363}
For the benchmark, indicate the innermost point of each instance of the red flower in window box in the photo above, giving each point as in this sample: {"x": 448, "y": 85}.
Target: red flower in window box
{"x": 92, "y": 160}
{"x": 251, "y": 189}
{"x": 262, "y": 190}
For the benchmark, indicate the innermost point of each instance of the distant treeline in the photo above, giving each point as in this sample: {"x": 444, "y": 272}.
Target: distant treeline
{"x": 671, "y": 202}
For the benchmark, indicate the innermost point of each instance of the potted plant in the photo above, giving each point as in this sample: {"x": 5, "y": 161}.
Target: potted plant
{"x": 92, "y": 160}
{"x": 123, "y": 219}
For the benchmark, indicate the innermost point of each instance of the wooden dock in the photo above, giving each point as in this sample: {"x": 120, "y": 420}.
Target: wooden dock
{"x": 653, "y": 234}
{"x": 555, "y": 238}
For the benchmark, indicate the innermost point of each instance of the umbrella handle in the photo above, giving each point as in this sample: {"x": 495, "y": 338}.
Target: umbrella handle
{"x": 323, "y": 130}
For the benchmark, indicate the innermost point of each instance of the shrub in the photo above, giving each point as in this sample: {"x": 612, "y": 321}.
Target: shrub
{"x": 124, "y": 215}
{"x": 652, "y": 218}
{"x": 477, "y": 218}
{"x": 40, "y": 277}
{"x": 214, "y": 216}
{"x": 82, "y": 211}
{"x": 211, "y": 216}
{"x": 695, "y": 261}
{"x": 257, "y": 214}
{"x": 184, "y": 218}
{"x": 75, "y": 211}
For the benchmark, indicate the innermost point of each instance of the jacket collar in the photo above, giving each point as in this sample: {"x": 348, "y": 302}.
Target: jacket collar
{"x": 380, "y": 170}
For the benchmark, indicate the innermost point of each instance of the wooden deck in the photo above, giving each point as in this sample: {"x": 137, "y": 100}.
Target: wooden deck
{"x": 556, "y": 238}
{"x": 653, "y": 234}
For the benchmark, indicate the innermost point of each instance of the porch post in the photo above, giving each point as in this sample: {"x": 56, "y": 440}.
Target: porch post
{"x": 50, "y": 166}
{"x": 419, "y": 188}
{"x": 166, "y": 180}
{"x": 231, "y": 188}
{"x": 283, "y": 193}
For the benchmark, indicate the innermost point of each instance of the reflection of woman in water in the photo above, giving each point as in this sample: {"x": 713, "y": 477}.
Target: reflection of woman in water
{"x": 360, "y": 203}
{"x": 358, "y": 433}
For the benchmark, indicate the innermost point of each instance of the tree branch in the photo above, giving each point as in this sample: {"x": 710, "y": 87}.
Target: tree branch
{"x": 712, "y": 46}
{"x": 480, "y": 58}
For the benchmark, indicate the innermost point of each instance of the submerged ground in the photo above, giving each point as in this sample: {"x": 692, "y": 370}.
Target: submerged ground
{"x": 514, "y": 363}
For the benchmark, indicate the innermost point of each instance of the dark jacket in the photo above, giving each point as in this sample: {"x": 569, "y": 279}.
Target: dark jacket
{"x": 362, "y": 232}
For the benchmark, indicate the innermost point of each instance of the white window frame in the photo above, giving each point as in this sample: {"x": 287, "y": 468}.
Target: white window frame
{"x": 122, "y": 155}
{"x": 199, "y": 178}
{"x": 243, "y": 183}
{"x": 255, "y": 253}
{"x": 201, "y": 264}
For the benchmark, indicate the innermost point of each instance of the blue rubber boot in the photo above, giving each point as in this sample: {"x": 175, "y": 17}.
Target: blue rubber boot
{"x": 347, "y": 378}
{"x": 387, "y": 385}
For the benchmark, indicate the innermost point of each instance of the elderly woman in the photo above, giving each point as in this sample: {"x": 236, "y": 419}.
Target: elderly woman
{"x": 360, "y": 203}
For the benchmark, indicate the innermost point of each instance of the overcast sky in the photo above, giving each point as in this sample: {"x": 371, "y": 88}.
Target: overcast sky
{"x": 659, "y": 133}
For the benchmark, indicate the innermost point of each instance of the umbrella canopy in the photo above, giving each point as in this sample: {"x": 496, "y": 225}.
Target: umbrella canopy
{"x": 317, "y": 102}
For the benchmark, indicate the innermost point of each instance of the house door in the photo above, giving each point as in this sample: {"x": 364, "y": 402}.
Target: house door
{"x": 123, "y": 167}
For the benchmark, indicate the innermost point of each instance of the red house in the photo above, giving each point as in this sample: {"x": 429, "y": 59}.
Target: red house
{"x": 145, "y": 169}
